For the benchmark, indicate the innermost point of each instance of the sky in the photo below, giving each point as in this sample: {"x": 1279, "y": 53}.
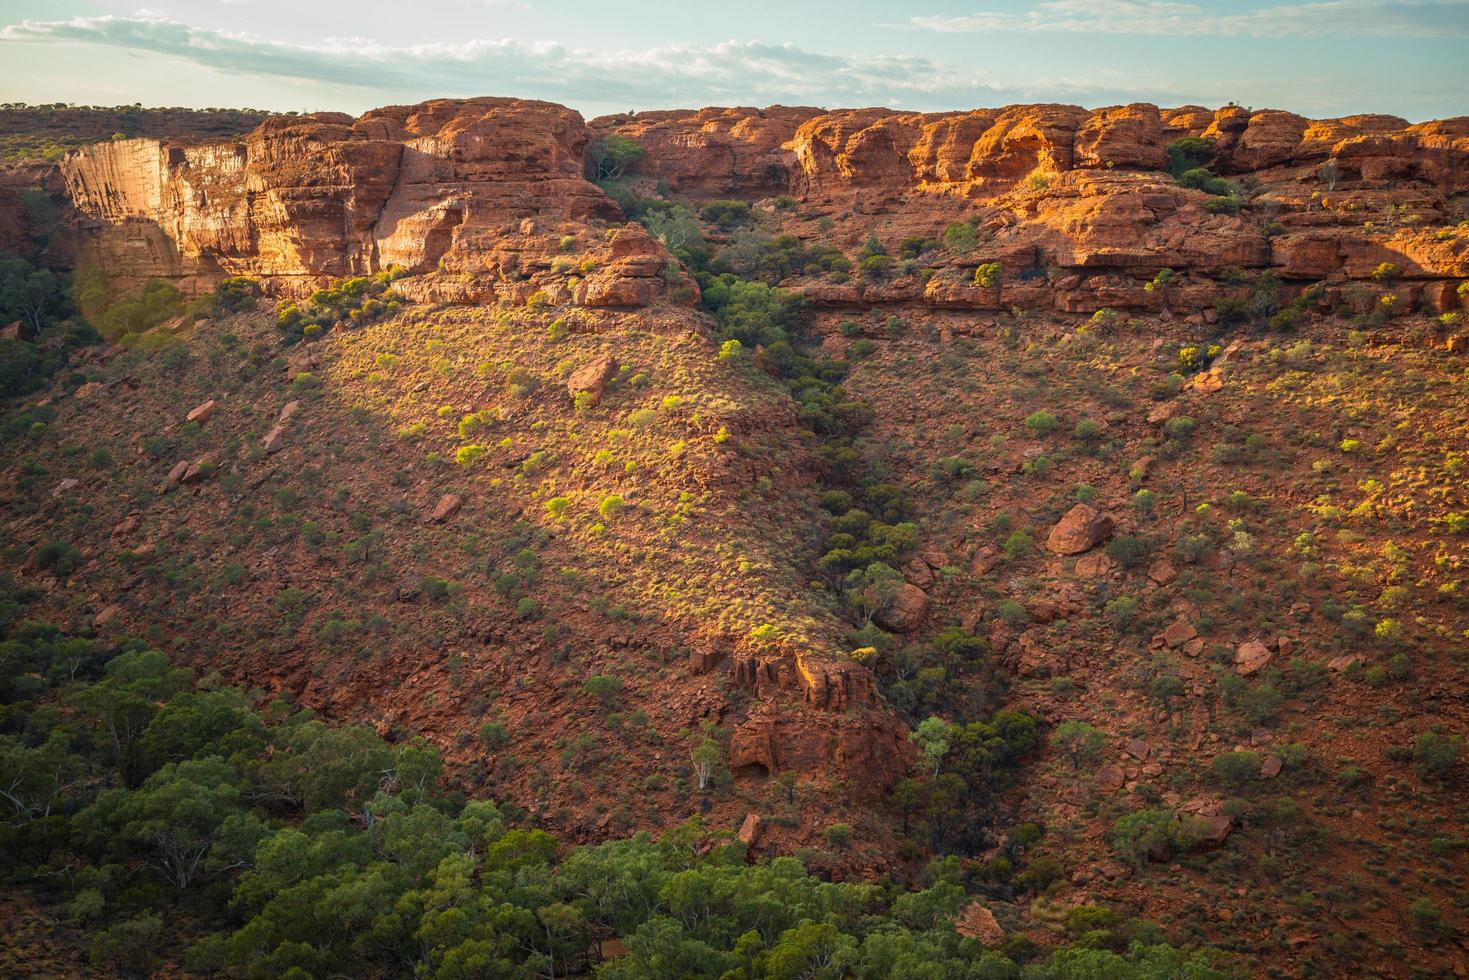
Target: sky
{"x": 1322, "y": 58}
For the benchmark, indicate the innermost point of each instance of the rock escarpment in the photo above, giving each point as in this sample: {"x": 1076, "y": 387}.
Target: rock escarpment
{"x": 478, "y": 194}
{"x": 475, "y": 199}
{"x": 1077, "y": 207}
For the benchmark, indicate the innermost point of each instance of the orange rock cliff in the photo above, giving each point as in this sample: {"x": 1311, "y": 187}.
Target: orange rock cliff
{"x": 470, "y": 196}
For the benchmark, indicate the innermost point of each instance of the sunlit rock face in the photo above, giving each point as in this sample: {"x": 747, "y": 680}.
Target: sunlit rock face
{"x": 471, "y": 197}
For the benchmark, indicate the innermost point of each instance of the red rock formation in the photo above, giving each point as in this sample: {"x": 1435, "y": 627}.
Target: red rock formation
{"x": 443, "y": 187}
{"x": 476, "y": 198}
{"x": 713, "y": 152}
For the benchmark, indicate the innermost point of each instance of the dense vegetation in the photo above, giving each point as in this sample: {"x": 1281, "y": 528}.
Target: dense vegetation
{"x": 358, "y": 300}
{"x": 173, "y": 819}
{"x": 37, "y": 300}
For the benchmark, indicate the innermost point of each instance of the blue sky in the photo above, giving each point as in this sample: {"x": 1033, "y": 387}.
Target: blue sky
{"x": 1322, "y": 58}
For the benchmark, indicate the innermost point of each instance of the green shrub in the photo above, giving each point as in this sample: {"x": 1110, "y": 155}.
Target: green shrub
{"x": 1189, "y": 153}
{"x": 493, "y": 735}
{"x": 1200, "y": 179}
{"x": 1087, "y": 430}
{"x": 1079, "y": 742}
{"x": 1436, "y": 756}
{"x": 1179, "y": 427}
{"x": 1012, "y": 613}
{"x": 1152, "y": 835}
{"x": 988, "y": 275}
{"x": 838, "y": 836}
{"x": 604, "y": 687}
{"x": 1129, "y": 551}
{"x": 1121, "y": 611}
{"x": 58, "y": 557}
{"x": 1261, "y": 703}
{"x": 1041, "y": 422}
{"x": 471, "y": 454}
{"x": 614, "y": 155}
{"x": 1019, "y": 545}
{"x": 1235, "y": 770}
{"x": 961, "y": 237}
{"x": 1428, "y": 921}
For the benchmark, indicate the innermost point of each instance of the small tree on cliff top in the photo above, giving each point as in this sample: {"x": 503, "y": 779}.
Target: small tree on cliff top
{"x": 614, "y": 155}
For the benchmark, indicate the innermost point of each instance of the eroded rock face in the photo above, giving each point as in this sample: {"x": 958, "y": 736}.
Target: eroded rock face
{"x": 715, "y": 152}
{"x": 869, "y": 748}
{"x": 472, "y": 198}
{"x": 438, "y": 187}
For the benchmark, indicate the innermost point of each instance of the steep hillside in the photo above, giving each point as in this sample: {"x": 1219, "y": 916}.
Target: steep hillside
{"x": 1076, "y": 493}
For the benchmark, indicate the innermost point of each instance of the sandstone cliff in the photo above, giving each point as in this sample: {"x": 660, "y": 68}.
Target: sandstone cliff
{"x": 474, "y": 197}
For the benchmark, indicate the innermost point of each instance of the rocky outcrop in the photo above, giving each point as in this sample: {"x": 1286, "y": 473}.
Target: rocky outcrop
{"x": 870, "y": 748}
{"x": 444, "y": 188}
{"x": 488, "y": 201}
{"x": 716, "y": 152}
{"x": 981, "y": 153}
{"x": 1076, "y": 205}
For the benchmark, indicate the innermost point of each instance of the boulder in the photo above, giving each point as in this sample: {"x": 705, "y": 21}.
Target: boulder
{"x": 1209, "y": 820}
{"x": 903, "y": 610}
{"x": 1162, "y": 572}
{"x": 200, "y": 469}
{"x": 127, "y": 525}
{"x": 446, "y": 508}
{"x": 274, "y": 441}
{"x": 984, "y": 561}
{"x": 1251, "y": 657}
{"x": 753, "y": 744}
{"x": 750, "y": 829}
{"x": 1271, "y": 766}
{"x": 65, "y": 487}
{"x": 107, "y": 615}
{"x": 176, "y": 475}
{"x": 1215, "y": 829}
{"x": 919, "y": 573}
{"x": 591, "y": 378}
{"x": 18, "y": 330}
{"x": 1178, "y": 633}
{"x": 978, "y": 922}
{"x": 202, "y": 413}
{"x": 1082, "y": 529}
{"x": 290, "y": 408}
{"x": 1108, "y": 780}
{"x": 1094, "y": 565}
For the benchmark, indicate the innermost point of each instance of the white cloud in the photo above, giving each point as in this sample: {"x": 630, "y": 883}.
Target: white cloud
{"x": 1341, "y": 18}
{"x": 729, "y": 73}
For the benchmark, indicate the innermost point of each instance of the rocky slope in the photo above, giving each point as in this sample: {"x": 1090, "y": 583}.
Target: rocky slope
{"x": 1288, "y": 493}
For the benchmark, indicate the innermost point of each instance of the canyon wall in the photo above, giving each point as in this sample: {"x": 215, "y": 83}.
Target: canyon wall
{"x": 474, "y": 197}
